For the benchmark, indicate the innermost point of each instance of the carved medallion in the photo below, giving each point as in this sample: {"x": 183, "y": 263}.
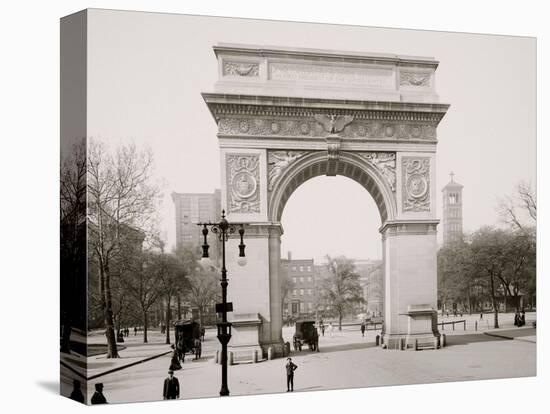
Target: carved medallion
{"x": 416, "y": 184}
{"x": 278, "y": 162}
{"x": 385, "y": 163}
{"x": 243, "y": 182}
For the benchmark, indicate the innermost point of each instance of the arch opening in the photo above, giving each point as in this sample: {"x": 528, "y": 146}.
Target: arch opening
{"x": 352, "y": 166}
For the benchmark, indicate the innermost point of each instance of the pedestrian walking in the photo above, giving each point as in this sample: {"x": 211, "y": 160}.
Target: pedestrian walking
{"x": 522, "y": 318}
{"x": 76, "y": 394}
{"x": 481, "y": 315}
{"x": 290, "y": 368}
{"x": 171, "y": 389}
{"x": 174, "y": 362}
{"x": 516, "y": 319}
{"x": 363, "y": 327}
{"x": 198, "y": 348}
{"x": 322, "y": 328}
{"x": 98, "y": 397}
{"x": 330, "y": 329}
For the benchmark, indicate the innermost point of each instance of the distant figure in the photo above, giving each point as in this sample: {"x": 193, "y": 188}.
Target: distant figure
{"x": 77, "y": 392}
{"x": 135, "y": 330}
{"x": 98, "y": 397}
{"x": 517, "y": 319}
{"x": 198, "y": 348}
{"x": 322, "y": 326}
{"x": 522, "y": 318}
{"x": 481, "y": 315}
{"x": 171, "y": 389}
{"x": 203, "y": 331}
{"x": 363, "y": 327}
{"x": 290, "y": 368}
{"x": 174, "y": 362}
{"x": 330, "y": 329}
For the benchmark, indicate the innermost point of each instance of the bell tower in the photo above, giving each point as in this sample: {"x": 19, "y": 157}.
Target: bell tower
{"x": 452, "y": 211}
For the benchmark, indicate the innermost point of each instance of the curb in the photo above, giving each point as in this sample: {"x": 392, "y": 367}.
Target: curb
{"x": 509, "y": 337}
{"x": 110, "y": 371}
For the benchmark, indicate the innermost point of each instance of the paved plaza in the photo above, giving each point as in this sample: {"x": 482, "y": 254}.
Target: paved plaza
{"x": 346, "y": 360}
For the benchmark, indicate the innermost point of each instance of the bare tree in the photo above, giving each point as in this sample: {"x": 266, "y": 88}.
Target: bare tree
{"x": 520, "y": 209}
{"x": 73, "y": 240}
{"x": 122, "y": 198}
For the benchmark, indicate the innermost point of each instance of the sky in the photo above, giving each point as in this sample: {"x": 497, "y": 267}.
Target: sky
{"x": 146, "y": 72}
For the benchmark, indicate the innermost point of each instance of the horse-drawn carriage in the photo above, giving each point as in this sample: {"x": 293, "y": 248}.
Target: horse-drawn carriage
{"x": 306, "y": 334}
{"x": 188, "y": 338}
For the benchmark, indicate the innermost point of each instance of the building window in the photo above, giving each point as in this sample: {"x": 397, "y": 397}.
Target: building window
{"x": 301, "y": 268}
{"x": 309, "y": 279}
{"x": 294, "y": 280}
{"x": 309, "y": 292}
{"x": 310, "y": 306}
{"x": 294, "y": 292}
{"x": 293, "y": 268}
{"x": 301, "y": 292}
{"x": 301, "y": 279}
{"x": 309, "y": 268}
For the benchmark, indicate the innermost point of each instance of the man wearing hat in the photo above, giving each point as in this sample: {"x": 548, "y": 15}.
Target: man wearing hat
{"x": 98, "y": 397}
{"x": 171, "y": 387}
{"x": 290, "y": 368}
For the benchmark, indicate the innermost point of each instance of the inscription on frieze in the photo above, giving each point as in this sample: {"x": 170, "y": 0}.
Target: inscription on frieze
{"x": 416, "y": 184}
{"x": 368, "y": 77}
{"x": 243, "y": 183}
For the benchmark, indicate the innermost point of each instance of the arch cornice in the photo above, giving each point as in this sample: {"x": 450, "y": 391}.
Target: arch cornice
{"x": 354, "y": 165}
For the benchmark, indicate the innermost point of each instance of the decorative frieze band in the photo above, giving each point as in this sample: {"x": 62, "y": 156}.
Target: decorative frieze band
{"x": 299, "y": 127}
{"x": 243, "y": 183}
{"x": 415, "y": 79}
{"x": 416, "y": 184}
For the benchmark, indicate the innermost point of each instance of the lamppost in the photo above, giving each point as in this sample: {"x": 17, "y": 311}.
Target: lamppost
{"x": 223, "y": 229}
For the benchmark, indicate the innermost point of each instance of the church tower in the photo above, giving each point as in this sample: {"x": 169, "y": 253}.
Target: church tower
{"x": 452, "y": 211}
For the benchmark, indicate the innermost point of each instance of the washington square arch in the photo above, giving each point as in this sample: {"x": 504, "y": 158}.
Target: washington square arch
{"x": 285, "y": 116}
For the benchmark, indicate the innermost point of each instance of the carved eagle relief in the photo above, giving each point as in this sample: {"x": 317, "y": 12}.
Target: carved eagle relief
{"x": 333, "y": 123}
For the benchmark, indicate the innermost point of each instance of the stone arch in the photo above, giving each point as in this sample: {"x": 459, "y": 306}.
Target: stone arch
{"x": 351, "y": 165}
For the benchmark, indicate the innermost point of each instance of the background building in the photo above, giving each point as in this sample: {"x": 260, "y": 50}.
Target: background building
{"x": 452, "y": 211}
{"x": 371, "y": 278}
{"x": 300, "y": 300}
{"x": 192, "y": 208}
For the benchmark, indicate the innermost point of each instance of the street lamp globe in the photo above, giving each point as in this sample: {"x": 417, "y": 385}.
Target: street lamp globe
{"x": 242, "y": 261}
{"x": 206, "y": 263}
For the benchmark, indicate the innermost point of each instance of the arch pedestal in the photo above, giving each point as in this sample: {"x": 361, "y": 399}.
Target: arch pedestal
{"x": 285, "y": 116}
{"x": 410, "y": 283}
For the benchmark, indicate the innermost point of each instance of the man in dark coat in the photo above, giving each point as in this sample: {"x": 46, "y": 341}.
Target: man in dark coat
{"x": 171, "y": 387}
{"x": 363, "y": 327}
{"x": 290, "y": 368}
{"x": 77, "y": 392}
{"x": 98, "y": 397}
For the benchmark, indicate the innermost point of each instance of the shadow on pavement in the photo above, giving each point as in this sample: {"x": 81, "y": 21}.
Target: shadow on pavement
{"x": 514, "y": 333}
{"x": 470, "y": 339}
{"x": 343, "y": 347}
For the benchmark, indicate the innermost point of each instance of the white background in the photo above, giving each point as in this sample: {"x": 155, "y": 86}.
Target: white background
{"x": 29, "y": 165}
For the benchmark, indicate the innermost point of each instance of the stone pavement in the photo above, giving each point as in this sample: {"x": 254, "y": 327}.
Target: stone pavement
{"x": 346, "y": 360}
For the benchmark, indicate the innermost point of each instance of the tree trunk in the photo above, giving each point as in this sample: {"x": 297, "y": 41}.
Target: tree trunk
{"x": 179, "y": 306}
{"x": 494, "y": 301}
{"x": 145, "y": 327}
{"x": 168, "y": 317}
{"x": 340, "y": 316}
{"x": 112, "y": 351}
